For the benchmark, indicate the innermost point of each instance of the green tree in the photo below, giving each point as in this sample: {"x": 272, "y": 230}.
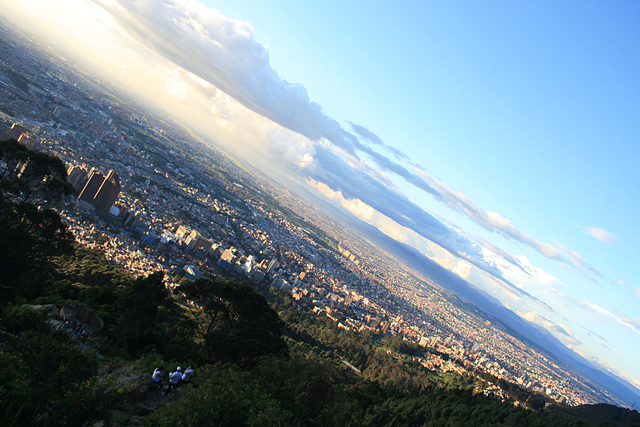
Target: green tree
{"x": 30, "y": 234}
{"x": 39, "y": 373}
{"x": 31, "y": 176}
{"x": 138, "y": 306}
{"x": 223, "y": 396}
{"x": 29, "y": 238}
{"x": 234, "y": 322}
{"x": 18, "y": 318}
{"x": 399, "y": 345}
{"x": 305, "y": 385}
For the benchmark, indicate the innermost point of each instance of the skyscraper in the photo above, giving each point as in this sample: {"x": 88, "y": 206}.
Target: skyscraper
{"x": 77, "y": 177}
{"x": 107, "y": 193}
{"x": 94, "y": 181}
{"x": 101, "y": 191}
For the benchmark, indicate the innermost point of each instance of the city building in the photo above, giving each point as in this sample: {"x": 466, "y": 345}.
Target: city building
{"x": 99, "y": 191}
{"x": 77, "y": 177}
{"x": 94, "y": 181}
{"x": 197, "y": 241}
{"x": 108, "y": 193}
{"x": 17, "y": 132}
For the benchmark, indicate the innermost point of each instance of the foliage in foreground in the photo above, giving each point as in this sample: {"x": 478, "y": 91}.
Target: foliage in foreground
{"x": 45, "y": 378}
{"x": 224, "y": 396}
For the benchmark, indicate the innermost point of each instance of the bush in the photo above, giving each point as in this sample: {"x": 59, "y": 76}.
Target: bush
{"x": 222, "y": 395}
{"x": 24, "y": 318}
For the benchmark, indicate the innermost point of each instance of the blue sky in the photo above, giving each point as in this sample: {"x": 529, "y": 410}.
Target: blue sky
{"x": 495, "y": 137}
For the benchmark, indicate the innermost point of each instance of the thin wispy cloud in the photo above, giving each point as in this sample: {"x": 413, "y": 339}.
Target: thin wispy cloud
{"x": 594, "y": 334}
{"x": 576, "y": 260}
{"x": 603, "y": 235}
{"x": 604, "y": 314}
{"x": 491, "y": 221}
{"x": 368, "y": 135}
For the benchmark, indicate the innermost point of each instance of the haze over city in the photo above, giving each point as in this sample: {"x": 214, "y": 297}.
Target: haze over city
{"x": 496, "y": 139}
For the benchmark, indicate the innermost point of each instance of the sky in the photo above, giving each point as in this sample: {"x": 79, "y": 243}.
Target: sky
{"x": 498, "y": 138}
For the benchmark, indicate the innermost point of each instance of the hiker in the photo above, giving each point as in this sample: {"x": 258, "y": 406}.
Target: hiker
{"x": 174, "y": 379}
{"x": 156, "y": 377}
{"x": 187, "y": 375}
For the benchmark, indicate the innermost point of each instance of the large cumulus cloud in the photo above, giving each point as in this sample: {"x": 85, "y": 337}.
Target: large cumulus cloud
{"x": 225, "y": 53}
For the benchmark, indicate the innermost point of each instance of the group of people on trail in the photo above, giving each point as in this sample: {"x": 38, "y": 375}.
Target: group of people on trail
{"x": 75, "y": 329}
{"x": 176, "y": 377}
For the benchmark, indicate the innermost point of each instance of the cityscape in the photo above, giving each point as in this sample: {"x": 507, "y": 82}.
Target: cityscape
{"x": 154, "y": 196}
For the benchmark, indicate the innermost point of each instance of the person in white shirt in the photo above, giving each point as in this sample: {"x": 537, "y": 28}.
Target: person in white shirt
{"x": 187, "y": 375}
{"x": 174, "y": 379}
{"x": 156, "y": 377}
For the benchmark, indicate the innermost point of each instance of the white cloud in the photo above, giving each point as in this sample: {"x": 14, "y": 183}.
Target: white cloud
{"x": 576, "y": 260}
{"x": 491, "y": 221}
{"x": 600, "y": 234}
{"x": 603, "y": 314}
{"x": 519, "y": 270}
{"x": 463, "y": 269}
{"x": 495, "y": 222}
{"x": 225, "y": 53}
{"x": 560, "y": 331}
{"x": 596, "y": 309}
